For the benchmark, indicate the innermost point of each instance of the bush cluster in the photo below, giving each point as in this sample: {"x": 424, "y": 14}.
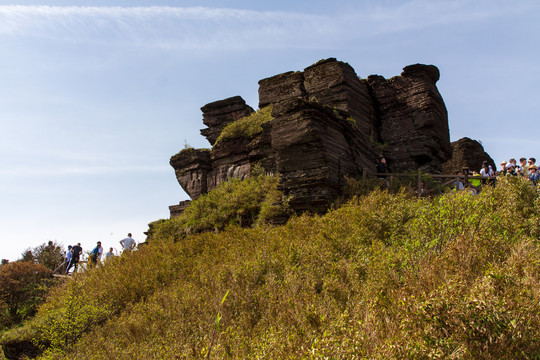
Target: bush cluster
{"x": 234, "y": 202}
{"x": 23, "y": 286}
{"x": 384, "y": 276}
{"x": 247, "y": 127}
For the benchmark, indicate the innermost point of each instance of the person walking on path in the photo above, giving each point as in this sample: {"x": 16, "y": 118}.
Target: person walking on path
{"x": 128, "y": 243}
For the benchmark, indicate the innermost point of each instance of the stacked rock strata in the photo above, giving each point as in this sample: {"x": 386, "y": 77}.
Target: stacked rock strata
{"x": 326, "y": 124}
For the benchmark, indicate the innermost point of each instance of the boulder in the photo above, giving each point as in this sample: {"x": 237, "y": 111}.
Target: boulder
{"x": 467, "y": 153}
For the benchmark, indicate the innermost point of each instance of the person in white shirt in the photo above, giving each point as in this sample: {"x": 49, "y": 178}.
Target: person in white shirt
{"x": 69, "y": 255}
{"x": 100, "y": 253}
{"x": 128, "y": 243}
{"x": 486, "y": 170}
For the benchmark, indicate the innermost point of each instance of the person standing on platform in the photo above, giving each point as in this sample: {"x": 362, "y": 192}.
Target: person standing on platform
{"x": 128, "y": 243}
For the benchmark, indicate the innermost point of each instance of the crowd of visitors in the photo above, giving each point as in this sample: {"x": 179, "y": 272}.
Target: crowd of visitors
{"x": 74, "y": 253}
{"x": 527, "y": 168}
{"x": 475, "y": 179}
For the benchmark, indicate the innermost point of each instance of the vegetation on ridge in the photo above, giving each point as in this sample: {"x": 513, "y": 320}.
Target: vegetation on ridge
{"x": 383, "y": 276}
{"x": 247, "y": 127}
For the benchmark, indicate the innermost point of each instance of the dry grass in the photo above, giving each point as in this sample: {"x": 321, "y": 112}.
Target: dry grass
{"x": 385, "y": 276}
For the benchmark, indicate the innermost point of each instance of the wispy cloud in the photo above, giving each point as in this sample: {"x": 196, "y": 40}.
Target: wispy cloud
{"x": 218, "y": 28}
{"x": 160, "y": 26}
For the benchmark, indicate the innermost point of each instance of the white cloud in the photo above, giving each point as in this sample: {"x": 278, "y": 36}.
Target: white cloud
{"x": 215, "y": 28}
{"x": 190, "y": 28}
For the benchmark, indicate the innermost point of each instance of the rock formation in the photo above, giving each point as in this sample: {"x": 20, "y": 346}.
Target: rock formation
{"x": 467, "y": 153}
{"x": 326, "y": 124}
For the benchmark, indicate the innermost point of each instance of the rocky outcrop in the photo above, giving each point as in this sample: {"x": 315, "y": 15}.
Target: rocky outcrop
{"x": 315, "y": 148}
{"x": 192, "y": 167}
{"x": 326, "y": 124}
{"x": 467, "y": 153}
{"x": 413, "y": 119}
{"x": 219, "y": 114}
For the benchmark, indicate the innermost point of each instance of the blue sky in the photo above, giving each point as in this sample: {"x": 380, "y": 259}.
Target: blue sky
{"x": 96, "y": 96}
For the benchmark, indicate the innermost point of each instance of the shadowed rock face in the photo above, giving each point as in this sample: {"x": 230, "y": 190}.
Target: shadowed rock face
{"x": 326, "y": 124}
{"x": 467, "y": 153}
{"x": 413, "y": 119}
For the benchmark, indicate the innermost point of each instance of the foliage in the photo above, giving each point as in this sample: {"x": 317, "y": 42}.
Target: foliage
{"x": 232, "y": 202}
{"x": 247, "y": 127}
{"x": 48, "y": 254}
{"x": 60, "y": 330}
{"x": 22, "y": 288}
{"x": 384, "y": 276}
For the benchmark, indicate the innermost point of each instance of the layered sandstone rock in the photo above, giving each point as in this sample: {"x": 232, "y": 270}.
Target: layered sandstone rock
{"x": 327, "y": 124}
{"x": 218, "y": 114}
{"x": 413, "y": 119}
{"x": 467, "y": 153}
{"x": 316, "y": 147}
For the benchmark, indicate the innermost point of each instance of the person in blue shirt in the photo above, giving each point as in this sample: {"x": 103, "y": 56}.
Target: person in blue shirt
{"x": 95, "y": 254}
{"x": 533, "y": 174}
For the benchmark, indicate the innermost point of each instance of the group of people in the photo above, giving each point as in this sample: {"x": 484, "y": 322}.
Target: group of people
{"x": 74, "y": 253}
{"x": 526, "y": 168}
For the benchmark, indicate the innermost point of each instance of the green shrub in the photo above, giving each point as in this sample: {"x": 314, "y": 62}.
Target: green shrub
{"x": 235, "y": 201}
{"x": 247, "y": 127}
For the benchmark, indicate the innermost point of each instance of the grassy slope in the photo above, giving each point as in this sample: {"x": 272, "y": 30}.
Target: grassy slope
{"x": 383, "y": 276}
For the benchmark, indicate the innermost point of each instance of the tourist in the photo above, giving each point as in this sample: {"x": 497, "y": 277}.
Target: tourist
{"x": 522, "y": 169}
{"x": 95, "y": 255}
{"x": 487, "y": 170}
{"x": 475, "y": 181}
{"x": 459, "y": 182}
{"x": 532, "y": 161}
{"x": 110, "y": 254}
{"x": 100, "y": 251}
{"x": 382, "y": 168}
{"x": 511, "y": 167}
{"x": 76, "y": 253}
{"x": 533, "y": 174}
{"x": 503, "y": 170}
{"x": 128, "y": 243}
{"x": 421, "y": 191}
{"x": 69, "y": 255}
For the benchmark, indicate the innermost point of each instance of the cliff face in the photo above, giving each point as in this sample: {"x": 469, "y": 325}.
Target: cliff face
{"x": 326, "y": 124}
{"x": 413, "y": 119}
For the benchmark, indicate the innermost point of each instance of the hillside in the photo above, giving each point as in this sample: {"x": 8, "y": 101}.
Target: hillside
{"x": 385, "y": 275}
